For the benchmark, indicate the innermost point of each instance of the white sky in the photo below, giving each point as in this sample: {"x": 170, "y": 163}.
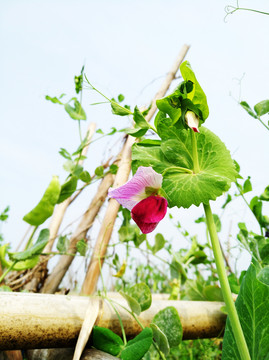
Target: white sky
{"x": 124, "y": 45}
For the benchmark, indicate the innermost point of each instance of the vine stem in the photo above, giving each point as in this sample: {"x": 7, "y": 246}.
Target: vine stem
{"x": 225, "y": 287}
{"x": 224, "y": 283}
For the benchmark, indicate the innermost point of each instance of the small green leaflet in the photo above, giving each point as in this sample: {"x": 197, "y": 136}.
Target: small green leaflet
{"x": 262, "y": 107}
{"x": 68, "y": 188}
{"x": 45, "y": 207}
{"x": 173, "y": 159}
{"x": 119, "y": 110}
{"x": 107, "y": 341}
{"x": 76, "y": 112}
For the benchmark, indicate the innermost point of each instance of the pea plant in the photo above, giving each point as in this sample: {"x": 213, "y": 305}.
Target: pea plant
{"x": 176, "y": 163}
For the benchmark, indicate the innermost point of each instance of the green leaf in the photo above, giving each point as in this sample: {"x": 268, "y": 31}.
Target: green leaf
{"x": 127, "y": 233}
{"x": 136, "y": 132}
{"x": 85, "y": 176}
{"x": 213, "y": 293}
{"x": 159, "y": 243}
{"x": 228, "y": 199}
{"x": 194, "y": 290}
{"x": 246, "y": 106}
{"x": 119, "y": 110}
{"x": 173, "y": 159}
{"x": 76, "y": 112}
{"x": 62, "y": 244}
{"x": 247, "y": 186}
{"x": 169, "y": 323}
{"x": 107, "y": 341}
{"x": 141, "y": 293}
{"x": 139, "y": 119}
{"x": 54, "y": 99}
{"x": 120, "y": 98}
{"x": 263, "y": 275}
{"x": 133, "y": 303}
{"x": 65, "y": 154}
{"x": 67, "y": 189}
{"x": 113, "y": 169}
{"x": 73, "y": 168}
{"x": 160, "y": 339}
{"x": 262, "y": 107}
{"x": 36, "y": 249}
{"x": 197, "y": 96}
{"x": 234, "y": 283}
{"x": 45, "y": 207}
{"x": 82, "y": 247}
{"x": 136, "y": 348}
{"x": 265, "y": 195}
{"x": 99, "y": 171}
{"x": 253, "y": 312}
{"x": 26, "y": 264}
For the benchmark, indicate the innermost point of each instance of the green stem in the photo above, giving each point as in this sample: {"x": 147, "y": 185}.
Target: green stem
{"x": 225, "y": 288}
{"x": 260, "y": 120}
{"x": 7, "y": 271}
{"x": 196, "y": 167}
{"x": 30, "y": 241}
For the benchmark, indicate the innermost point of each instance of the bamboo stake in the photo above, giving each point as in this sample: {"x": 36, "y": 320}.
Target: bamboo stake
{"x": 122, "y": 175}
{"x": 30, "y": 321}
{"x": 67, "y": 354}
{"x": 40, "y": 270}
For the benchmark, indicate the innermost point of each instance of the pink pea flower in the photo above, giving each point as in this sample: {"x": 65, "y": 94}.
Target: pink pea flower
{"x": 140, "y": 196}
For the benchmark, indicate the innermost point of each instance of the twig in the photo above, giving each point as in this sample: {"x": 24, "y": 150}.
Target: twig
{"x": 122, "y": 175}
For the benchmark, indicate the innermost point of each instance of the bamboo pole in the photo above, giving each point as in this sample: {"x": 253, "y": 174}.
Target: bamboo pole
{"x": 97, "y": 259}
{"x": 30, "y": 321}
{"x": 67, "y": 354}
{"x": 40, "y": 270}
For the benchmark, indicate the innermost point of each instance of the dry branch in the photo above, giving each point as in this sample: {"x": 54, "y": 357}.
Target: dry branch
{"x": 104, "y": 235}
{"x": 30, "y": 321}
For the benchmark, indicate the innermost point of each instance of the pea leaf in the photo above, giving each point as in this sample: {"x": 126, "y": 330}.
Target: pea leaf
{"x": 136, "y": 132}
{"x": 253, "y": 312}
{"x": 85, "y": 176}
{"x": 137, "y": 347}
{"x": 106, "y": 340}
{"x": 54, "y": 99}
{"x": 36, "y": 249}
{"x": 45, "y": 207}
{"x": 213, "y": 293}
{"x": 173, "y": 158}
{"x": 76, "y": 112}
{"x": 160, "y": 339}
{"x": 133, "y": 303}
{"x": 265, "y": 195}
{"x": 81, "y": 246}
{"x": 67, "y": 189}
{"x": 197, "y": 96}
{"x": 119, "y": 110}
{"x": 248, "y": 109}
{"x": 141, "y": 293}
{"x": 159, "y": 243}
{"x": 139, "y": 119}
{"x": 62, "y": 244}
{"x": 262, "y": 107}
{"x": 169, "y": 323}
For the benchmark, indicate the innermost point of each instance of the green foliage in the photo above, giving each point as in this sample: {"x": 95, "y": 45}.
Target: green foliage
{"x": 67, "y": 189}
{"x": 187, "y": 96}
{"x": 136, "y": 348}
{"x": 173, "y": 159}
{"x": 169, "y": 323}
{"x": 36, "y": 249}
{"x": 82, "y": 247}
{"x": 253, "y": 311}
{"x": 45, "y": 207}
{"x": 160, "y": 338}
{"x": 138, "y": 297}
{"x": 106, "y": 340}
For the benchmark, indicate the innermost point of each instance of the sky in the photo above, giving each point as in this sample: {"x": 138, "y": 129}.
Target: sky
{"x": 127, "y": 47}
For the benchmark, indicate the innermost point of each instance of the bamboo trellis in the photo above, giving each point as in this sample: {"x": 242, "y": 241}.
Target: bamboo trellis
{"x": 30, "y": 321}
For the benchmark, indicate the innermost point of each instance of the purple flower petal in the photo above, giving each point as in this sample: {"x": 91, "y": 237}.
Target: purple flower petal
{"x": 149, "y": 212}
{"x": 131, "y": 193}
